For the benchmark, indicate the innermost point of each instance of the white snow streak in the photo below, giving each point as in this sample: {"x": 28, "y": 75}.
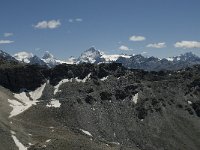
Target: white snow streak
{"x": 86, "y": 132}
{"x": 60, "y": 83}
{"x": 109, "y": 58}
{"x": 56, "y": 88}
{"x": 17, "y": 142}
{"x": 83, "y": 80}
{"x": 104, "y": 78}
{"x": 47, "y": 141}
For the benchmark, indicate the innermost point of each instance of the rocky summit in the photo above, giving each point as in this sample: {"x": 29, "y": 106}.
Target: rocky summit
{"x": 98, "y": 107}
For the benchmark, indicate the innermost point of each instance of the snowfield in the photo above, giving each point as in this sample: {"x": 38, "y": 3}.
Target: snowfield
{"x": 25, "y": 100}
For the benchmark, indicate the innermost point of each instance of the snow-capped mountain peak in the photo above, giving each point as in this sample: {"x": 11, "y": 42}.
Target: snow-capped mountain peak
{"x": 184, "y": 57}
{"x": 49, "y": 59}
{"x": 47, "y": 55}
{"x": 114, "y": 57}
{"x": 6, "y": 56}
{"x": 71, "y": 60}
{"x": 96, "y": 56}
{"x": 23, "y": 56}
{"x": 90, "y": 56}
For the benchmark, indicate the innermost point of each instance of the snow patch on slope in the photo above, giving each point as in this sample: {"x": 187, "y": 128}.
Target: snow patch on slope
{"x": 56, "y": 88}
{"x": 54, "y": 103}
{"x": 83, "y": 80}
{"x": 47, "y": 141}
{"x": 86, "y": 132}
{"x": 135, "y": 98}
{"x": 37, "y": 93}
{"x": 104, "y": 78}
{"x": 22, "y": 101}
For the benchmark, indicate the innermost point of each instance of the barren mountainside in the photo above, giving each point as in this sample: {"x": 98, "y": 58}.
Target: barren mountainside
{"x": 103, "y": 106}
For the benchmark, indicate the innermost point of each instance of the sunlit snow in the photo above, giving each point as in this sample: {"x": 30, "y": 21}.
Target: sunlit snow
{"x": 83, "y": 80}
{"x": 22, "y": 101}
{"x": 104, "y": 78}
{"x": 109, "y": 58}
{"x": 54, "y": 103}
{"x": 17, "y": 142}
{"x": 56, "y": 88}
{"x": 135, "y": 98}
{"x": 86, "y": 132}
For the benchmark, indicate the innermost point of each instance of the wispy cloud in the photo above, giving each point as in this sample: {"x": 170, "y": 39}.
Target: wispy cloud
{"x": 79, "y": 19}
{"x": 38, "y": 49}
{"x": 75, "y": 20}
{"x": 157, "y": 45}
{"x": 137, "y": 38}
{"x": 6, "y": 41}
{"x": 144, "y": 53}
{"x": 187, "y": 44}
{"x": 70, "y": 20}
{"x": 8, "y": 34}
{"x": 52, "y": 24}
{"x": 124, "y": 48}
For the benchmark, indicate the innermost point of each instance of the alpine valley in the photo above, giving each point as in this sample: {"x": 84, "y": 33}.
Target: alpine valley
{"x": 99, "y": 102}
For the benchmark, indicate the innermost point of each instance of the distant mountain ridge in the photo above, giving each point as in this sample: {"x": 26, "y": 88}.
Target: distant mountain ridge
{"x": 6, "y": 57}
{"x": 95, "y": 56}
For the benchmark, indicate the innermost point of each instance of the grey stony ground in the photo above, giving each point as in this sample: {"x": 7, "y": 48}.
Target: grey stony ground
{"x": 166, "y": 115}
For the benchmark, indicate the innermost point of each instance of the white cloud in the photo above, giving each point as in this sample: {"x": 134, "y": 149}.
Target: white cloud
{"x": 52, "y": 24}
{"x": 137, "y": 38}
{"x": 124, "y": 48}
{"x": 6, "y": 41}
{"x": 157, "y": 45}
{"x": 8, "y": 34}
{"x": 79, "y": 19}
{"x": 187, "y": 44}
{"x": 75, "y": 20}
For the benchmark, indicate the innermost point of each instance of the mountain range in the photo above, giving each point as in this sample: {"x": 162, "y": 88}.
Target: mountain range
{"x": 95, "y": 56}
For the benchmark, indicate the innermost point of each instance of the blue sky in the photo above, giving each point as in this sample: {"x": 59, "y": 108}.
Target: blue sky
{"x": 160, "y": 28}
